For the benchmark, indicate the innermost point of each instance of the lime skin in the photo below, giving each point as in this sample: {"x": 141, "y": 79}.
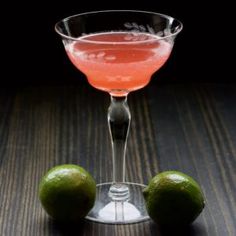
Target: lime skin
{"x": 67, "y": 192}
{"x": 173, "y": 199}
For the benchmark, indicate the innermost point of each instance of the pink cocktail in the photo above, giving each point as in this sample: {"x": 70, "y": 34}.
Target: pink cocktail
{"x": 122, "y": 63}
{"x": 118, "y": 51}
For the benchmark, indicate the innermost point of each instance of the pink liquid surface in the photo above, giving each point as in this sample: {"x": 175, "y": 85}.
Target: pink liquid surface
{"x": 118, "y": 62}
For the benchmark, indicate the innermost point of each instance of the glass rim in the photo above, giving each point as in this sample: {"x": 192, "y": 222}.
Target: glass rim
{"x": 81, "y": 38}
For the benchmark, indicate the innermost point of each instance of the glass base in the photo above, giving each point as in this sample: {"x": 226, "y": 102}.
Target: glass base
{"x": 107, "y": 211}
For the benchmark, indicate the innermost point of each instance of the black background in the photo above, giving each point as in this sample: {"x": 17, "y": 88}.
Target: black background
{"x": 33, "y": 52}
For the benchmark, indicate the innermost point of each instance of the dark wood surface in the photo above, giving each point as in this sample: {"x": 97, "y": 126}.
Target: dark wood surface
{"x": 190, "y": 128}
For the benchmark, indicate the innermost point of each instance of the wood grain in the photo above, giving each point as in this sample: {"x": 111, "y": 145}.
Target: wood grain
{"x": 190, "y": 128}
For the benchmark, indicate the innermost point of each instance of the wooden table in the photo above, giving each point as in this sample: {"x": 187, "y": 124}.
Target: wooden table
{"x": 190, "y": 128}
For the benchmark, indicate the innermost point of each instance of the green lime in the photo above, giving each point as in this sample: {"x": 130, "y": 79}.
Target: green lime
{"x": 173, "y": 198}
{"x": 67, "y": 192}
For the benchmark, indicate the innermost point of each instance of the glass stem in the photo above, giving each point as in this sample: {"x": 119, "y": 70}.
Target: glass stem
{"x": 119, "y": 121}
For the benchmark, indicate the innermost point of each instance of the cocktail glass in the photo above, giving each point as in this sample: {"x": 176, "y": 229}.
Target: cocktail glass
{"x": 118, "y": 51}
